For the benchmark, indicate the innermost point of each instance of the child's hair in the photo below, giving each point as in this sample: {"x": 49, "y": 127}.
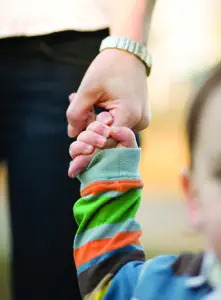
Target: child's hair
{"x": 196, "y": 109}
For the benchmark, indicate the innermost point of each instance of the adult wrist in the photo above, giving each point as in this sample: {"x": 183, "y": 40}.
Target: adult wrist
{"x": 133, "y": 47}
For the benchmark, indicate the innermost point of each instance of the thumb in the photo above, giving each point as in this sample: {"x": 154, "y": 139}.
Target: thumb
{"x": 125, "y": 116}
{"x": 80, "y": 112}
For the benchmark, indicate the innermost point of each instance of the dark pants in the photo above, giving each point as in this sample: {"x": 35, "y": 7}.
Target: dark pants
{"x": 36, "y": 76}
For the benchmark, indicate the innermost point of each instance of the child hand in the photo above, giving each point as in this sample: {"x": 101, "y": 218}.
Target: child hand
{"x": 98, "y": 135}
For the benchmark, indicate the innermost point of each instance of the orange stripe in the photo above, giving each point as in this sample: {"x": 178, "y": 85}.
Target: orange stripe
{"x": 98, "y": 247}
{"x": 107, "y": 185}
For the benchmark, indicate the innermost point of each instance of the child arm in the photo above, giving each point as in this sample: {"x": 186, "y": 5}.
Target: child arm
{"x": 108, "y": 235}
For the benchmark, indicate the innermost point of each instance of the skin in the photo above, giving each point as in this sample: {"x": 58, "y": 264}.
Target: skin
{"x": 202, "y": 184}
{"x": 116, "y": 79}
{"x": 99, "y": 134}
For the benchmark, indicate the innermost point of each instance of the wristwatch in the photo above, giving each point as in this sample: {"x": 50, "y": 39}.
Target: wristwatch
{"x": 136, "y": 48}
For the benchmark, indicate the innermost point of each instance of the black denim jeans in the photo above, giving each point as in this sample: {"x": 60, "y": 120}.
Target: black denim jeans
{"x": 36, "y": 76}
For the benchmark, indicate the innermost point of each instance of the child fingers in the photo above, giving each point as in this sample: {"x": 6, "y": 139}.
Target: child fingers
{"x": 105, "y": 117}
{"x": 92, "y": 138}
{"x": 99, "y": 128}
{"x": 79, "y": 164}
{"x": 78, "y": 147}
{"x": 124, "y": 136}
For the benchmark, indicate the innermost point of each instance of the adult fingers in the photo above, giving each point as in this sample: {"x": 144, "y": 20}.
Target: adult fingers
{"x": 80, "y": 111}
{"x": 73, "y": 132}
{"x": 126, "y": 116}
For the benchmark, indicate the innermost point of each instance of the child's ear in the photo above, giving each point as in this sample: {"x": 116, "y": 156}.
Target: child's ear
{"x": 191, "y": 197}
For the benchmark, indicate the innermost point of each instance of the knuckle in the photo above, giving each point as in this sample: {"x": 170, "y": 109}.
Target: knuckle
{"x": 133, "y": 116}
{"x": 146, "y": 122}
{"x": 70, "y": 151}
{"x": 92, "y": 125}
{"x": 132, "y": 120}
{"x": 99, "y": 127}
{"x": 72, "y": 148}
{"x": 73, "y": 116}
{"x": 71, "y": 96}
{"x": 146, "y": 117}
{"x": 128, "y": 132}
{"x": 69, "y": 114}
{"x": 137, "y": 116}
{"x": 70, "y": 131}
{"x": 81, "y": 136}
{"x": 85, "y": 136}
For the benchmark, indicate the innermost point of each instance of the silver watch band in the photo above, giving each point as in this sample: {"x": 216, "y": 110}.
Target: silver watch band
{"x": 131, "y": 46}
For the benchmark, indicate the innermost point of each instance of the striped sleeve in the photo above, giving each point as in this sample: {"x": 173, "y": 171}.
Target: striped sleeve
{"x": 108, "y": 234}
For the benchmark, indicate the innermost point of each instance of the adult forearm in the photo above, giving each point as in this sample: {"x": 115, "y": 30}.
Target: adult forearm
{"x": 131, "y": 19}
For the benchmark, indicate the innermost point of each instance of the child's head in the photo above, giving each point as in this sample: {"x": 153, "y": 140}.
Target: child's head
{"x": 202, "y": 184}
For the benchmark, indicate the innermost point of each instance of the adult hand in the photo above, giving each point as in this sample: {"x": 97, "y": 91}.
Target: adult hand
{"x": 115, "y": 81}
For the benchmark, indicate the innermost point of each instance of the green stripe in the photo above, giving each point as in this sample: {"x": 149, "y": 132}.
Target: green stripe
{"x": 106, "y": 210}
{"x": 105, "y": 231}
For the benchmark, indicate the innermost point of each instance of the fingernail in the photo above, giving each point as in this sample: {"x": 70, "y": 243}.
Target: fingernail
{"x": 106, "y": 132}
{"x": 107, "y": 120}
{"x": 113, "y": 128}
{"x": 73, "y": 174}
{"x": 89, "y": 148}
{"x": 76, "y": 173}
{"x": 101, "y": 142}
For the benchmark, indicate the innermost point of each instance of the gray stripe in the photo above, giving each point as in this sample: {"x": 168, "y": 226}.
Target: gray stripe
{"x": 110, "y": 164}
{"x": 105, "y": 231}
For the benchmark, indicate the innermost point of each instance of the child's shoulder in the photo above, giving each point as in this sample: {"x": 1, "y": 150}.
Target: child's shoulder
{"x": 183, "y": 264}
{"x": 157, "y": 278}
{"x": 166, "y": 274}
{"x": 161, "y": 262}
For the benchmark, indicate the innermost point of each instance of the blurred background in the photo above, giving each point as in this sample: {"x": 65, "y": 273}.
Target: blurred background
{"x": 185, "y": 44}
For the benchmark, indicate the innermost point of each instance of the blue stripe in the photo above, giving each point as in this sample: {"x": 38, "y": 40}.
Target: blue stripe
{"x": 105, "y": 231}
{"x": 107, "y": 255}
